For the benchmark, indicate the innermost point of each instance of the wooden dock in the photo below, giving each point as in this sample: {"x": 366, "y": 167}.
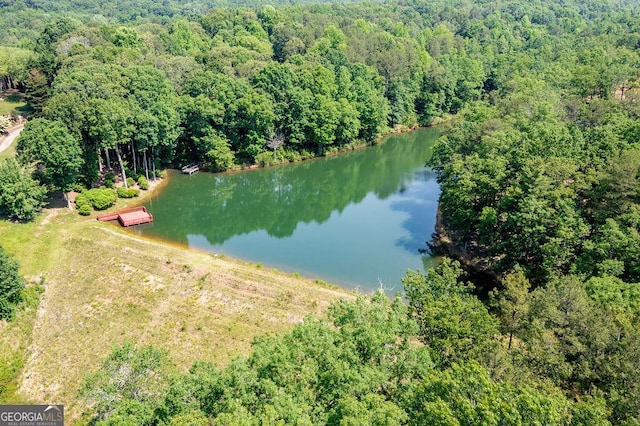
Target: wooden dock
{"x": 128, "y": 217}
{"x": 190, "y": 169}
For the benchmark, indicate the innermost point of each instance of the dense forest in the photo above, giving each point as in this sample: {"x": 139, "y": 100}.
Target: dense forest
{"x": 539, "y": 167}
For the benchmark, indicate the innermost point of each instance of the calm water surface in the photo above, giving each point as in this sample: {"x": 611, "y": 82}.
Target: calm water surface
{"x": 357, "y": 220}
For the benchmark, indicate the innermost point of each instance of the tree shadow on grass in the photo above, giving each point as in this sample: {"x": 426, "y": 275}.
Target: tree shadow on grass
{"x": 56, "y": 200}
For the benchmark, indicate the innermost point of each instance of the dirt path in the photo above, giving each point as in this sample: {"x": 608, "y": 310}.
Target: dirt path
{"x": 6, "y": 141}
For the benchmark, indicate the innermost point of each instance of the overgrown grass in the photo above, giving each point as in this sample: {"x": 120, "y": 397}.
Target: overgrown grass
{"x": 15, "y": 339}
{"x": 104, "y": 286}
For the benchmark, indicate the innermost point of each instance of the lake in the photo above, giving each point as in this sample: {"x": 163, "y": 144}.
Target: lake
{"x": 359, "y": 220}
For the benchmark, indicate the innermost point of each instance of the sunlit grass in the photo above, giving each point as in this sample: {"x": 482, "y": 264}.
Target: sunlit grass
{"x": 13, "y": 102}
{"x": 10, "y": 152}
{"x": 104, "y": 286}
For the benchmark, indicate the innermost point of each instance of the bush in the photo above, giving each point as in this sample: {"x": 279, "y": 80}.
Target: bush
{"x": 101, "y": 198}
{"x": 306, "y": 154}
{"x": 265, "y": 159}
{"x": 142, "y": 183}
{"x": 293, "y": 156}
{"x": 130, "y": 182}
{"x": 129, "y": 386}
{"x": 78, "y": 187}
{"x": 127, "y": 193}
{"x": 21, "y": 197}
{"x": 82, "y": 200}
{"x": 85, "y": 209}
{"x": 109, "y": 184}
{"x": 131, "y": 174}
{"x": 161, "y": 174}
{"x": 110, "y": 176}
{"x": 11, "y": 285}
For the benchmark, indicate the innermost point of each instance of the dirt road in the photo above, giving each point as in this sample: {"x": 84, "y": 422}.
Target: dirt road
{"x": 6, "y": 141}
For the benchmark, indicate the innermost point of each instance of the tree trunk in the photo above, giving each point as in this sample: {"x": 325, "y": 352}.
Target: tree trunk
{"x": 124, "y": 175}
{"x": 146, "y": 166}
{"x": 100, "y": 165}
{"x": 513, "y": 319}
{"x": 133, "y": 154}
{"x": 66, "y": 197}
{"x": 153, "y": 161}
{"x": 106, "y": 154}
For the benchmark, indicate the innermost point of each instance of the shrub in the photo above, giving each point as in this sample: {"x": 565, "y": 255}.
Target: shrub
{"x": 332, "y": 149}
{"x": 130, "y": 386}
{"x": 109, "y": 184}
{"x": 265, "y": 159}
{"x": 11, "y": 285}
{"x": 21, "y": 197}
{"x": 131, "y": 174}
{"x": 78, "y": 187}
{"x": 5, "y": 122}
{"x": 142, "y": 183}
{"x": 110, "y": 176}
{"x": 130, "y": 182}
{"x": 161, "y": 174}
{"x": 292, "y": 156}
{"x": 306, "y": 154}
{"x": 127, "y": 193}
{"x": 82, "y": 200}
{"x": 101, "y": 198}
{"x": 85, "y": 209}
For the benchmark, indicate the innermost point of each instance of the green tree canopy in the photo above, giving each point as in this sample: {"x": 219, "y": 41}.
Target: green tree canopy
{"x": 454, "y": 324}
{"x": 21, "y": 197}
{"x": 129, "y": 386}
{"x": 53, "y": 150}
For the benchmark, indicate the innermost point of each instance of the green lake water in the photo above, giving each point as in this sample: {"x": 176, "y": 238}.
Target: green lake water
{"x": 359, "y": 220}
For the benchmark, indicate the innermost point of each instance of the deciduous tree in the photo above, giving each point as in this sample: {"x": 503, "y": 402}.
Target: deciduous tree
{"x": 53, "y": 150}
{"x": 21, "y": 197}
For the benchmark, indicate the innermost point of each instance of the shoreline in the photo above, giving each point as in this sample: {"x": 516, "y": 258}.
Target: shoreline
{"x": 102, "y": 285}
{"x": 398, "y": 130}
{"x": 475, "y": 267}
{"x": 153, "y": 191}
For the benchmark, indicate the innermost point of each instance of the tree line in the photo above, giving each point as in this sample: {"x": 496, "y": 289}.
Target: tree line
{"x": 544, "y": 172}
{"x": 220, "y": 88}
{"x": 555, "y": 356}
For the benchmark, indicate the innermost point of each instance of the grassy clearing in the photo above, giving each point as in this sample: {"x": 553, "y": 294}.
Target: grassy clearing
{"x": 13, "y": 101}
{"x": 103, "y": 286}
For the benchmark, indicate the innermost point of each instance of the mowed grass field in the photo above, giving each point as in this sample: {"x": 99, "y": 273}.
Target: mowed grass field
{"x": 103, "y": 286}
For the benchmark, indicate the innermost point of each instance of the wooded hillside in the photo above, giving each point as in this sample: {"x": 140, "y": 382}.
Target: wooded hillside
{"x": 539, "y": 168}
